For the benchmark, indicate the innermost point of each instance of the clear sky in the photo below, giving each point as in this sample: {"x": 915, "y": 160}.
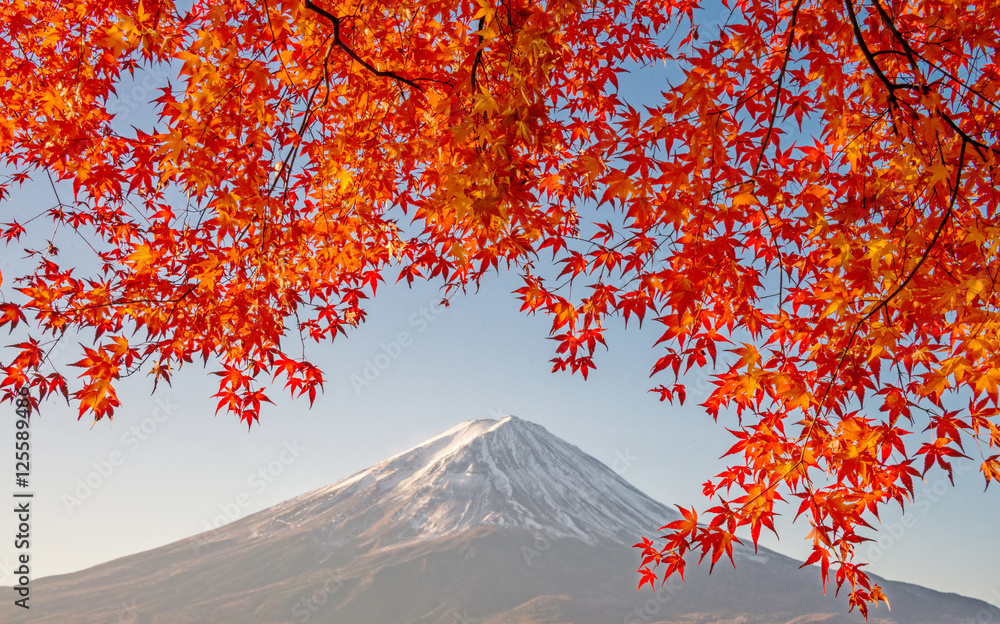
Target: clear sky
{"x": 168, "y": 468}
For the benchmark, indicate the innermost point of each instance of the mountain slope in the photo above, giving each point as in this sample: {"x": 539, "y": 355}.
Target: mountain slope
{"x": 507, "y": 473}
{"x": 491, "y": 522}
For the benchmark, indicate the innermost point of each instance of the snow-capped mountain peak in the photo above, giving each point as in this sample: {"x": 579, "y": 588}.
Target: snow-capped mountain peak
{"x": 506, "y": 472}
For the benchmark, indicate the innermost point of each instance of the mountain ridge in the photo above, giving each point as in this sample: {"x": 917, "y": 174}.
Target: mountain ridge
{"x": 507, "y": 472}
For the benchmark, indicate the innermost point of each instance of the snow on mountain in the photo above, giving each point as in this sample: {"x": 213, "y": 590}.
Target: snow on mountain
{"x": 508, "y": 472}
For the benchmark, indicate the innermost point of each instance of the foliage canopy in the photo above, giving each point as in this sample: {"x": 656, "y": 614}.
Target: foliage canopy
{"x": 813, "y": 193}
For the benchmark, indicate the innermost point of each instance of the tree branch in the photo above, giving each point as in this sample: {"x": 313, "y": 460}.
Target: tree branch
{"x": 343, "y": 46}
{"x": 930, "y": 246}
{"x": 884, "y": 302}
{"x": 479, "y": 57}
{"x": 777, "y": 92}
{"x": 892, "y": 87}
{"x": 860, "y": 38}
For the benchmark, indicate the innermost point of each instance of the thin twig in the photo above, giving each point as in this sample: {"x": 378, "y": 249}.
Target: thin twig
{"x": 479, "y": 57}
{"x": 777, "y": 92}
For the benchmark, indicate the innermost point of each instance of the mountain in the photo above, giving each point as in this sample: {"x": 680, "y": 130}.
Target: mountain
{"x": 508, "y": 473}
{"x": 491, "y": 522}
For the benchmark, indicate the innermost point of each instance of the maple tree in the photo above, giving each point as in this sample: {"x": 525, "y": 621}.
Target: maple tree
{"x": 807, "y": 211}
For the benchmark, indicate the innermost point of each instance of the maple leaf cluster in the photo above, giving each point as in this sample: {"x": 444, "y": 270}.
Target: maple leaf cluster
{"x": 808, "y": 211}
